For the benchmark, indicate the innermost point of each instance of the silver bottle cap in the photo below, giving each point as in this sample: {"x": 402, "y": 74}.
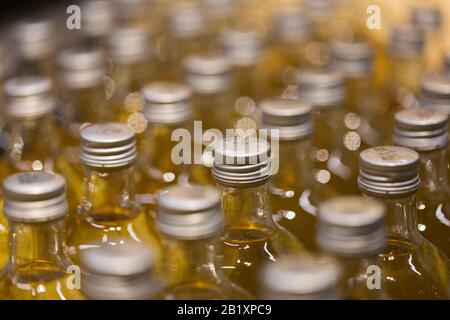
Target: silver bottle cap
{"x": 406, "y": 40}
{"x": 242, "y": 162}
{"x": 321, "y": 87}
{"x": 426, "y": 17}
{"x": 219, "y": 9}
{"x": 293, "y": 118}
{"x": 129, "y": 45}
{"x": 187, "y": 20}
{"x": 291, "y": 24}
{"x": 97, "y": 18}
{"x": 167, "y": 102}
{"x": 81, "y": 67}
{"x": 29, "y": 97}
{"x": 189, "y": 212}
{"x": 107, "y": 145}
{"x": 351, "y": 226}
{"x": 421, "y": 129}
{"x": 389, "y": 171}
{"x": 208, "y": 74}
{"x": 35, "y": 39}
{"x": 34, "y": 196}
{"x": 353, "y": 59}
{"x": 436, "y": 92}
{"x": 118, "y": 272}
{"x": 318, "y": 10}
{"x": 301, "y": 278}
{"x": 243, "y": 47}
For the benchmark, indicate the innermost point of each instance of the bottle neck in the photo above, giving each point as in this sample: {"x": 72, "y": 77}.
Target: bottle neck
{"x": 295, "y": 170}
{"x": 247, "y": 208}
{"x": 433, "y": 174}
{"x": 32, "y": 243}
{"x": 157, "y": 150}
{"x": 31, "y": 141}
{"x": 108, "y": 194}
{"x": 200, "y": 260}
{"x": 401, "y": 218}
{"x": 328, "y": 119}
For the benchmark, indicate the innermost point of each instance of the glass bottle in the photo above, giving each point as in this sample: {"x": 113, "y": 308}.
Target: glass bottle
{"x": 84, "y": 89}
{"x": 406, "y": 63}
{"x": 97, "y": 19}
{"x": 125, "y": 272}
{"x": 292, "y": 188}
{"x": 289, "y": 37}
{"x": 334, "y": 155}
{"x": 426, "y": 131}
{"x": 30, "y": 137}
{"x": 435, "y": 92}
{"x": 428, "y": 18}
{"x": 190, "y": 219}
{"x": 352, "y": 229}
{"x": 130, "y": 53}
{"x": 412, "y": 267}
{"x": 320, "y": 13}
{"x": 167, "y": 110}
{"x": 133, "y": 13}
{"x": 366, "y": 104}
{"x": 34, "y": 42}
{"x": 243, "y": 46}
{"x": 242, "y": 169}
{"x": 109, "y": 212}
{"x": 186, "y": 32}
{"x": 220, "y": 13}
{"x": 301, "y": 278}
{"x": 38, "y": 267}
{"x": 210, "y": 78}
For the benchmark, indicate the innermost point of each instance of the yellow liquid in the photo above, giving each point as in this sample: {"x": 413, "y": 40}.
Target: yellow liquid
{"x": 291, "y": 214}
{"x": 41, "y": 280}
{"x": 203, "y": 290}
{"x": 247, "y": 250}
{"x": 411, "y": 272}
{"x": 112, "y": 226}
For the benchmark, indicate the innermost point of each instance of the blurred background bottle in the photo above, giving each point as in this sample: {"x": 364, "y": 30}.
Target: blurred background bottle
{"x": 83, "y": 92}
{"x": 334, "y": 155}
{"x": 301, "y": 278}
{"x": 292, "y": 187}
{"x": 125, "y": 272}
{"x": 210, "y": 78}
{"x": 352, "y": 229}
{"x": 34, "y": 42}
